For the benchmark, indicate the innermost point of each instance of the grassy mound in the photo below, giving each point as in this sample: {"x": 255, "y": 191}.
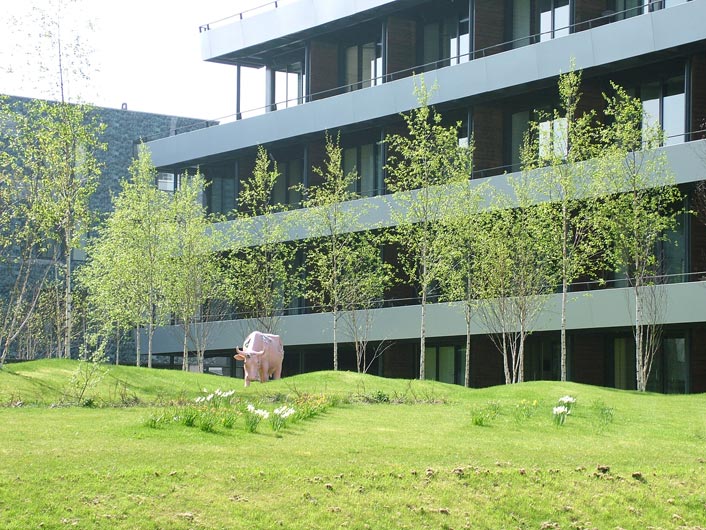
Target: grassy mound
{"x": 389, "y": 454}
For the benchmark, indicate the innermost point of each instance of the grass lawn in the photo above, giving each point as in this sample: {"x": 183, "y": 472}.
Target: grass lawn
{"x": 433, "y": 456}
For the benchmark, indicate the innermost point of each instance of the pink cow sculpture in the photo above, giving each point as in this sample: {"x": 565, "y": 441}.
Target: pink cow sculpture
{"x": 262, "y": 357}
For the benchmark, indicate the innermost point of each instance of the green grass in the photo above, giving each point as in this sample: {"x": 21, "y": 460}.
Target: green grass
{"x": 415, "y": 461}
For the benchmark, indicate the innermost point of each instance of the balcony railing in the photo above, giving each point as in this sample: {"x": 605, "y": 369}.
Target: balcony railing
{"x": 243, "y": 14}
{"x": 605, "y": 18}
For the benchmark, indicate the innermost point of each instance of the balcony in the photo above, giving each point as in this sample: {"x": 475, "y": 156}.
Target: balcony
{"x": 619, "y": 45}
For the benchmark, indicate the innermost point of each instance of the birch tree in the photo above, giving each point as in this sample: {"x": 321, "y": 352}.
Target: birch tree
{"x": 642, "y": 206}
{"x": 556, "y": 150}
{"x": 420, "y": 165}
{"x": 516, "y": 271}
{"x": 194, "y": 275}
{"x": 125, "y": 275}
{"x": 345, "y": 270}
{"x": 262, "y": 277}
{"x": 460, "y": 248}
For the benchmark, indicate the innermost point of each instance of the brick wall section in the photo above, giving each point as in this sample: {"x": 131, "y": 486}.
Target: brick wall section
{"x": 123, "y": 129}
{"x": 488, "y": 137}
{"x": 324, "y": 68}
{"x": 489, "y": 26}
{"x": 401, "y": 47}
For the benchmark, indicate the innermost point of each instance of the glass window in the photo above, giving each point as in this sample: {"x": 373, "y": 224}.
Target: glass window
{"x": 674, "y": 111}
{"x": 675, "y": 365}
{"x": 521, "y": 23}
{"x": 519, "y": 123}
{"x": 363, "y": 65}
{"x": 291, "y": 174}
{"x": 165, "y": 181}
{"x": 554, "y": 19}
{"x": 664, "y": 103}
{"x": 366, "y": 162}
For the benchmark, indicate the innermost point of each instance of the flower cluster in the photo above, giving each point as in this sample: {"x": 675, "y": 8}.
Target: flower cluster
{"x": 218, "y": 394}
{"x": 567, "y": 401}
{"x": 284, "y": 412}
{"x": 258, "y": 412}
{"x": 560, "y": 414}
{"x": 563, "y": 409}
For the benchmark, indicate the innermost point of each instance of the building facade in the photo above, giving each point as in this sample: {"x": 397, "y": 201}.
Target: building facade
{"x": 348, "y": 67}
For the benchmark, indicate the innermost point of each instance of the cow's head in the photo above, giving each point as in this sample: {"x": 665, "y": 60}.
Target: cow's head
{"x": 251, "y": 364}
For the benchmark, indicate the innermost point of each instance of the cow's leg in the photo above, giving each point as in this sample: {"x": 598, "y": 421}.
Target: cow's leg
{"x": 247, "y": 381}
{"x": 278, "y": 372}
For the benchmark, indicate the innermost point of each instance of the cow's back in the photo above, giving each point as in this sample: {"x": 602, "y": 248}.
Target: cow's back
{"x": 273, "y": 347}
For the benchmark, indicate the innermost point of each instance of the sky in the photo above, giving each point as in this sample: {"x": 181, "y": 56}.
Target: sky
{"x": 145, "y": 53}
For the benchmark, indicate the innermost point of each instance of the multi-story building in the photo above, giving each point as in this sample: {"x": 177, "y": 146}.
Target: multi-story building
{"x": 348, "y": 67}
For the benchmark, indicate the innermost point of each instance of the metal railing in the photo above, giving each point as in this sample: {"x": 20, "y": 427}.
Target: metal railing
{"x": 605, "y": 18}
{"x": 243, "y": 14}
{"x": 575, "y": 288}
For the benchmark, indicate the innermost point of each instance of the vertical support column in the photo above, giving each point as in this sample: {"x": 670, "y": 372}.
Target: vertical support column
{"x": 238, "y": 114}
{"x": 270, "y": 89}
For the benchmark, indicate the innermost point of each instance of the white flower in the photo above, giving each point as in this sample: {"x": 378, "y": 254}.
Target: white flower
{"x": 199, "y": 399}
{"x": 567, "y": 400}
{"x": 209, "y": 397}
{"x": 560, "y": 410}
{"x": 251, "y": 407}
{"x": 262, "y": 413}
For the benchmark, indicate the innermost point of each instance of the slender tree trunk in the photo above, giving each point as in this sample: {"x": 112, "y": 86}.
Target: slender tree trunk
{"x": 68, "y": 302}
{"x": 506, "y": 367}
{"x": 564, "y": 290}
{"x": 150, "y": 333}
{"x": 422, "y": 337}
{"x": 335, "y": 340}
{"x": 117, "y": 346}
{"x": 638, "y": 339}
{"x": 137, "y": 346}
{"x": 467, "y": 375}
{"x": 185, "y": 355}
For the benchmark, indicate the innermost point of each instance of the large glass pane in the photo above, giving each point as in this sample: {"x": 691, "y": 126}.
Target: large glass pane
{"x": 650, "y": 94}
{"x": 545, "y": 20}
{"x": 670, "y": 3}
{"x": 519, "y": 123}
{"x": 279, "y": 192}
{"x": 431, "y": 45}
{"x": 294, "y": 180}
{"x": 461, "y": 375}
{"x": 368, "y": 63}
{"x": 280, "y": 90}
{"x": 351, "y": 68}
{"x": 367, "y": 170}
{"x": 675, "y": 365}
{"x": 562, "y": 18}
{"x": 430, "y": 363}
{"x": 464, "y": 41}
{"x": 674, "y": 111}
{"x": 674, "y": 251}
{"x": 521, "y": 23}
{"x": 560, "y": 137}
{"x": 350, "y": 164}
{"x": 621, "y": 364}
{"x": 545, "y": 139}
{"x": 447, "y": 364}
